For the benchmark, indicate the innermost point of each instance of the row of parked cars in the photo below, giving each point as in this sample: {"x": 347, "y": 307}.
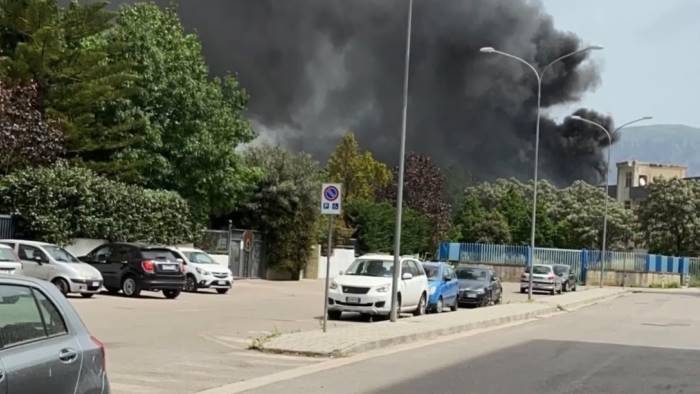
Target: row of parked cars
{"x": 424, "y": 287}
{"x": 129, "y": 268}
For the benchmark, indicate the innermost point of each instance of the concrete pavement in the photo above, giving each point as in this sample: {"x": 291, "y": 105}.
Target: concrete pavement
{"x": 642, "y": 343}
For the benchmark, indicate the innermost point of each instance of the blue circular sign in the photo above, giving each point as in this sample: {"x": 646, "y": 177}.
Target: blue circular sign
{"x": 331, "y": 193}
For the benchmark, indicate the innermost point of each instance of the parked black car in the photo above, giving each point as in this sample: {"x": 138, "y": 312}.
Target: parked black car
{"x": 478, "y": 286}
{"x": 567, "y": 275}
{"x": 131, "y": 268}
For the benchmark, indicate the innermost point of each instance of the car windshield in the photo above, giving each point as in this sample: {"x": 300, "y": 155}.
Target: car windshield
{"x": 540, "y": 270}
{"x": 371, "y": 268}
{"x": 59, "y": 254}
{"x": 432, "y": 271}
{"x": 6, "y": 254}
{"x": 158, "y": 254}
{"x": 472, "y": 274}
{"x": 561, "y": 270}
{"x": 199, "y": 258}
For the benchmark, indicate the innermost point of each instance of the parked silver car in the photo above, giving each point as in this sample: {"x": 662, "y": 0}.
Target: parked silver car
{"x": 54, "y": 264}
{"x": 44, "y": 346}
{"x": 9, "y": 263}
{"x": 543, "y": 279}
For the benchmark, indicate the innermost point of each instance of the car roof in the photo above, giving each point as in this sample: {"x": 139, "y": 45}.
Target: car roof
{"x": 479, "y": 267}
{"x": 21, "y": 279}
{"x": 384, "y": 256}
{"x": 187, "y": 249}
{"x": 3, "y": 246}
{"x": 26, "y": 242}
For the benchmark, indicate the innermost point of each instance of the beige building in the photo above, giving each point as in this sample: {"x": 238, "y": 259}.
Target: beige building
{"x": 634, "y": 176}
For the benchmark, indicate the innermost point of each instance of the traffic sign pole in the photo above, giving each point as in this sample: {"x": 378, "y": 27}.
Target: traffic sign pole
{"x": 331, "y": 204}
{"x": 328, "y": 270}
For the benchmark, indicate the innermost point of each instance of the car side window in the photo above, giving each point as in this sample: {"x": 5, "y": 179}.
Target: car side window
{"x": 405, "y": 268}
{"x": 105, "y": 251}
{"x": 27, "y": 252}
{"x": 20, "y": 319}
{"x": 53, "y": 321}
{"x": 119, "y": 254}
{"x": 10, "y": 244}
{"x": 417, "y": 268}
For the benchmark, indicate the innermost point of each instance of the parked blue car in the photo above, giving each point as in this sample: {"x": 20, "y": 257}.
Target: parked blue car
{"x": 443, "y": 286}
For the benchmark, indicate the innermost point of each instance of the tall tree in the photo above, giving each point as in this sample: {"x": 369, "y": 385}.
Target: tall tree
{"x": 26, "y": 138}
{"x": 284, "y": 205}
{"x": 362, "y": 176}
{"x": 670, "y": 217}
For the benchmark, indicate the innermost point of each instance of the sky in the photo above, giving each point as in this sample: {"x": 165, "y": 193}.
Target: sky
{"x": 651, "y": 62}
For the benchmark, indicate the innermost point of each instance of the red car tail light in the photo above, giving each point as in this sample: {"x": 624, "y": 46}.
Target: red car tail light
{"x": 149, "y": 266}
{"x": 103, "y": 354}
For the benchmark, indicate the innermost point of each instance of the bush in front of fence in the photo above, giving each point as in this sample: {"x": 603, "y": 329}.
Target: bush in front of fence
{"x": 58, "y": 203}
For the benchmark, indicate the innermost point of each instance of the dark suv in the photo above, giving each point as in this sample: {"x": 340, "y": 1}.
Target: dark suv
{"x": 132, "y": 268}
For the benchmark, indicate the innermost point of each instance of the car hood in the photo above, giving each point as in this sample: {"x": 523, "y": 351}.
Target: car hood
{"x": 83, "y": 271}
{"x": 213, "y": 268}
{"x": 362, "y": 281}
{"x": 467, "y": 284}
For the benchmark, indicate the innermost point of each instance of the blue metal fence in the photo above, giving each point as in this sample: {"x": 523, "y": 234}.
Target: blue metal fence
{"x": 580, "y": 260}
{"x": 7, "y": 227}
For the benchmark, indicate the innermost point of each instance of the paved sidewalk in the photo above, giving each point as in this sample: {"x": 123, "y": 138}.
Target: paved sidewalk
{"x": 343, "y": 341}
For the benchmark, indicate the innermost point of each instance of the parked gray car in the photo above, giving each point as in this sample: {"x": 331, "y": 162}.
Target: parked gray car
{"x": 44, "y": 346}
{"x": 543, "y": 279}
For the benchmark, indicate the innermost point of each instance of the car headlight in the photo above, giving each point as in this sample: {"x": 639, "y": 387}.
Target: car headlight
{"x": 202, "y": 272}
{"x": 432, "y": 290}
{"x": 333, "y": 285}
{"x": 383, "y": 289}
{"x": 480, "y": 291}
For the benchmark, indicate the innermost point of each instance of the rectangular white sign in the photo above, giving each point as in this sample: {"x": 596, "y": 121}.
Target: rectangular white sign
{"x": 331, "y": 197}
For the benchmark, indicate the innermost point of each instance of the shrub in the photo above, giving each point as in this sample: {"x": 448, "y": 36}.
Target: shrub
{"x": 58, "y": 203}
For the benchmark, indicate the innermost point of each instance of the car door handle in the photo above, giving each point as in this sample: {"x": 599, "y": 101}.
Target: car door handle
{"x": 67, "y": 355}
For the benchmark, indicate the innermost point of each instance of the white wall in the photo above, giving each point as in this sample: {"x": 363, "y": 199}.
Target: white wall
{"x": 340, "y": 261}
{"x": 82, "y": 246}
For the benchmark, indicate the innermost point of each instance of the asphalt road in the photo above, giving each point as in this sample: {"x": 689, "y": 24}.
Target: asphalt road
{"x": 643, "y": 343}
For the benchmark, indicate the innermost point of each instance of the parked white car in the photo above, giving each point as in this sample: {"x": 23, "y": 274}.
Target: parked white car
{"x": 366, "y": 287}
{"x": 9, "y": 263}
{"x": 202, "y": 272}
{"x": 54, "y": 264}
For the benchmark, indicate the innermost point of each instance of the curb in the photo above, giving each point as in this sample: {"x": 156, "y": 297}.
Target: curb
{"x": 547, "y": 309}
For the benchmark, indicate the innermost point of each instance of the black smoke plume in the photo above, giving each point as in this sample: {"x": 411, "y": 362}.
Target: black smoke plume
{"x": 317, "y": 68}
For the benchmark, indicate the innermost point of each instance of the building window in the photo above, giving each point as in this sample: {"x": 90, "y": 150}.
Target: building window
{"x": 628, "y": 204}
{"x": 628, "y": 179}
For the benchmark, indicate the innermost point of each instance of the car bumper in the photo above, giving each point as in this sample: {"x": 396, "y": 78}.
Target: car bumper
{"x": 539, "y": 286}
{"x": 467, "y": 298}
{"x": 90, "y": 286}
{"x": 176, "y": 283}
{"x": 215, "y": 283}
{"x": 369, "y": 304}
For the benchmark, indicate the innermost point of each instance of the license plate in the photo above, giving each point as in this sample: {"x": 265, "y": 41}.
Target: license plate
{"x": 471, "y": 295}
{"x": 169, "y": 267}
{"x": 221, "y": 282}
{"x": 353, "y": 300}
{"x": 95, "y": 284}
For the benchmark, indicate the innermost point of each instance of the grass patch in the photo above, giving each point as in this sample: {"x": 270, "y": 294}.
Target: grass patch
{"x": 694, "y": 281}
{"x": 672, "y": 285}
{"x": 258, "y": 343}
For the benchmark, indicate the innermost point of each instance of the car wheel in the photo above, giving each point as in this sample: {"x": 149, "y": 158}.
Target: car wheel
{"x": 561, "y": 287}
{"x": 565, "y": 287}
{"x": 421, "y": 306}
{"x": 499, "y": 299}
{"x": 440, "y": 306}
{"x": 130, "y": 287}
{"x": 222, "y": 291}
{"x": 171, "y": 294}
{"x": 87, "y": 295}
{"x": 191, "y": 284}
{"x": 334, "y": 315}
{"x": 455, "y": 306}
{"x": 62, "y": 286}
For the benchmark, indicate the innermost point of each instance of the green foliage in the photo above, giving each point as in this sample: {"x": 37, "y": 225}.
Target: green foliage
{"x": 374, "y": 223}
{"x": 59, "y": 203}
{"x": 284, "y": 205}
{"x": 670, "y": 217}
{"x": 362, "y": 176}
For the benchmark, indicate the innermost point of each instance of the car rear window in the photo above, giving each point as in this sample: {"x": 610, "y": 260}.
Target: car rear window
{"x": 541, "y": 270}
{"x": 560, "y": 270}
{"x": 158, "y": 254}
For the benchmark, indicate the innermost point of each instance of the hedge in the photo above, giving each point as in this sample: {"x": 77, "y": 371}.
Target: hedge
{"x": 58, "y": 203}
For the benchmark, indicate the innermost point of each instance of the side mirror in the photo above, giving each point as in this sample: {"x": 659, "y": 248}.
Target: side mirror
{"x": 40, "y": 260}
{"x": 102, "y": 258}
{"x": 407, "y": 276}
{"x": 447, "y": 278}
{"x": 181, "y": 261}
{"x": 494, "y": 278}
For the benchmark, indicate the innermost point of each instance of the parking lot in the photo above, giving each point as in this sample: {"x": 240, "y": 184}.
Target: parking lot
{"x": 198, "y": 341}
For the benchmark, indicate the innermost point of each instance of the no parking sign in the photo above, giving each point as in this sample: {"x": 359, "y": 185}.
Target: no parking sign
{"x": 331, "y": 196}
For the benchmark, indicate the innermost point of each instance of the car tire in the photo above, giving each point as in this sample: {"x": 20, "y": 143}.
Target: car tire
{"x": 440, "y": 306}
{"x": 222, "y": 291}
{"x": 87, "y": 295}
{"x": 561, "y": 288}
{"x": 130, "y": 287}
{"x": 191, "y": 284}
{"x": 334, "y": 315}
{"x": 455, "y": 306}
{"x": 565, "y": 287}
{"x": 420, "y": 310}
{"x": 62, "y": 286}
{"x": 171, "y": 294}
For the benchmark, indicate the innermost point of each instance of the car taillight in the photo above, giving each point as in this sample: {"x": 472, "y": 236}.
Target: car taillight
{"x": 550, "y": 277}
{"x": 103, "y": 354}
{"x": 182, "y": 267}
{"x": 149, "y": 266}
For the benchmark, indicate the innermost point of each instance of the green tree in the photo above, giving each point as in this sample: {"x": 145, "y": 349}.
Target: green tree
{"x": 362, "y": 176}
{"x": 374, "y": 223}
{"x": 284, "y": 205}
{"x": 670, "y": 217}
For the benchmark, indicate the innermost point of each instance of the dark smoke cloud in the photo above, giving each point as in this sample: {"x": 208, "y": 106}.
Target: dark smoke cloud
{"x": 316, "y": 68}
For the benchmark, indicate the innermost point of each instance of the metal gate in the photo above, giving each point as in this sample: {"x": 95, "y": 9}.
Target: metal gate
{"x": 7, "y": 227}
{"x": 243, "y": 247}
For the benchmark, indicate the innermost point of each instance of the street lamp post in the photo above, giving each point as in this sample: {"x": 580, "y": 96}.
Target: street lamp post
{"x": 394, "y": 314}
{"x": 607, "y": 182}
{"x": 539, "y": 76}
